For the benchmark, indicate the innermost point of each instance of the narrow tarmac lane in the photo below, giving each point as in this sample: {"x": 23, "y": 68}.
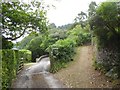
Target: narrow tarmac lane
{"x": 37, "y": 76}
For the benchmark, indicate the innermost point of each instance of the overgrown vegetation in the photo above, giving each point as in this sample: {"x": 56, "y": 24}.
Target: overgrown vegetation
{"x": 106, "y": 29}
{"x": 5, "y": 44}
{"x": 10, "y": 61}
{"x": 19, "y": 18}
{"x": 63, "y": 51}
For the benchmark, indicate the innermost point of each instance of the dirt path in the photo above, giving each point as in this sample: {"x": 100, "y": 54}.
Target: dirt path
{"x": 81, "y": 73}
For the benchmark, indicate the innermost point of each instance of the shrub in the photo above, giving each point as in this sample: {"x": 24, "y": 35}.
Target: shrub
{"x": 10, "y": 62}
{"x": 60, "y": 53}
{"x": 8, "y": 67}
{"x": 79, "y": 35}
{"x": 35, "y": 48}
{"x": 0, "y": 70}
{"x": 26, "y": 54}
{"x": 50, "y": 40}
{"x": 106, "y": 30}
{"x": 63, "y": 50}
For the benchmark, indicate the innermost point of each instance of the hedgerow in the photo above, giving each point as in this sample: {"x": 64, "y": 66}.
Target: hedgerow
{"x": 8, "y": 67}
{"x": 10, "y": 62}
{"x": 26, "y": 54}
{"x": 61, "y": 52}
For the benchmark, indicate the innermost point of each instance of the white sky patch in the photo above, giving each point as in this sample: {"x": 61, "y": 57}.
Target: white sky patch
{"x": 67, "y": 10}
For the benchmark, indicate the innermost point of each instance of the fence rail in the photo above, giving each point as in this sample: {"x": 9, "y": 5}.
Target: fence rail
{"x": 20, "y": 66}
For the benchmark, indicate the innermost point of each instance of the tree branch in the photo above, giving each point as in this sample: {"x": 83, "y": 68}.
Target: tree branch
{"x": 16, "y": 37}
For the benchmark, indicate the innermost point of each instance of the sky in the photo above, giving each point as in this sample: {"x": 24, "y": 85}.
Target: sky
{"x": 66, "y": 10}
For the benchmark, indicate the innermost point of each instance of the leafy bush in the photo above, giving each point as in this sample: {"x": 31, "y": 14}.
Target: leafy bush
{"x": 79, "y": 35}
{"x": 56, "y": 65}
{"x": 26, "y": 55}
{"x": 0, "y": 69}
{"x": 8, "y": 67}
{"x": 106, "y": 29}
{"x": 105, "y": 24}
{"x": 61, "y": 52}
{"x": 53, "y": 36}
{"x": 35, "y": 48}
{"x": 50, "y": 40}
{"x": 10, "y": 62}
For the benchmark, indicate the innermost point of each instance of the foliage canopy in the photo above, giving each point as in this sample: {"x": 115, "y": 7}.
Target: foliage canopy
{"x": 19, "y": 18}
{"x": 106, "y": 23}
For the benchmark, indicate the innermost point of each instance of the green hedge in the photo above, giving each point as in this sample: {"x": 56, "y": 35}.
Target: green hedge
{"x": 8, "y": 67}
{"x": 26, "y": 54}
{"x": 0, "y": 69}
{"x": 60, "y": 53}
{"x": 10, "y": 62}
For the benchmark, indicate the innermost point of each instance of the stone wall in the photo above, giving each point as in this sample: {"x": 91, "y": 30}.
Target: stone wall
{"x": 108, "y": 61}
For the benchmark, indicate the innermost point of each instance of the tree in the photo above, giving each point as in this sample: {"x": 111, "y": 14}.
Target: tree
{"x": 20, "y": 18}
{"x": 92, "y": 9}
{"x": 5, "y": 44}
{"x": 52, "y": 26}
{"x": 34, "y": 47}
{"x": 105, "y": 23}
{"x": 81, "y": 19}
{"x": 65, "y": 27}
{"x": 25, "y": 41}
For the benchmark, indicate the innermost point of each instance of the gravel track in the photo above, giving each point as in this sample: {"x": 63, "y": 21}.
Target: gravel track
{"x": 81, "y": 74}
